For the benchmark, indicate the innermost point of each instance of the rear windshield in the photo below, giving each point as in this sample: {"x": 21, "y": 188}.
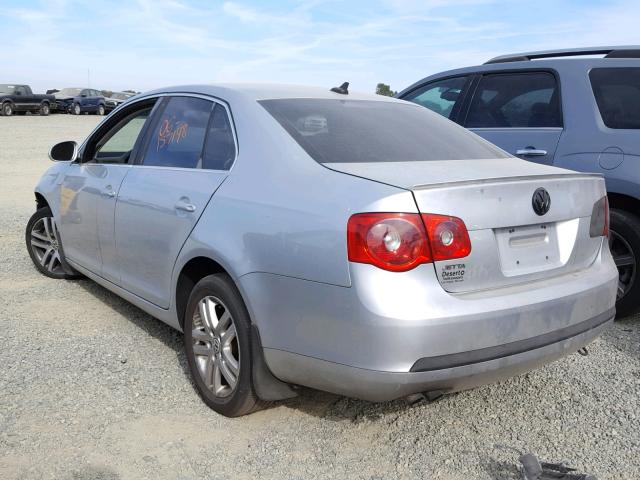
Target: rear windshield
{"x": 352, "y": 131}
{"x": 617, "y": 92}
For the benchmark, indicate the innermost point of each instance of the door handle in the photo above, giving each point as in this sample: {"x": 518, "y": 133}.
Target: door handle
{"x": 185, "y": 207}
{"x": 109, "y": 192}
{"x": 532, "y": 152}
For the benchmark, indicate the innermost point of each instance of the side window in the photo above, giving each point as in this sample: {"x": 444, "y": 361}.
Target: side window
{"x": 515, "y": 100}
{"x": 220, "y": 148}
{"x": 20, "y": 91}
{"x": 117, "y": 144}
{"x": 617, "y": 92}
{"x": 177, "y": 139}
{"x": 84, "y": 93}
{"x": 440, "y": 97}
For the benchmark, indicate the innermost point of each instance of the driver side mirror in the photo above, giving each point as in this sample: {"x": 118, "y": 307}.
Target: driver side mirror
{"x": 83, "y": 95}
{"x": 64, "y": 151}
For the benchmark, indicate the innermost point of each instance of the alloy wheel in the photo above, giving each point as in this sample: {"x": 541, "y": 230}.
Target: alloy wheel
{"x": 45, "y": 243}
{"x": 625, "y": 261}
{"x": 215, "y": 346}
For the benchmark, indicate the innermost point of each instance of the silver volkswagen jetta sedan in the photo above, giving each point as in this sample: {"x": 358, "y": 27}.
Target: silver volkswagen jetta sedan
{"x": 351, "y": 243}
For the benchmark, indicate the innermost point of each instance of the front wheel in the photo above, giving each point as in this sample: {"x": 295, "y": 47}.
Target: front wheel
{"x": 45, "y": 109}
{"x": 101, "y": 110}
{"x": 624, "y": 243}
{"x": 7, "y": 109}
{"x": 76, "y": 109}
{"x": 44, "y": 246}
{"x": 217, "y": 343}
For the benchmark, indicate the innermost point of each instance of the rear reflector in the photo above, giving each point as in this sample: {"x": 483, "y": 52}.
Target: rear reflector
{"x": 401, "y": 241}
{"x": 600, "y": 218}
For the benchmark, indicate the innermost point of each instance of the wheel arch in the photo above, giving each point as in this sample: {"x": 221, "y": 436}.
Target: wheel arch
{"x": 191, "y": 273}
{"x": 41, "y": 202}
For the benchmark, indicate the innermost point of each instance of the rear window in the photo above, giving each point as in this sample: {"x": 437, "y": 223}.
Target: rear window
{"x": 352, "y": 131}
{"x": 617, "y": 92}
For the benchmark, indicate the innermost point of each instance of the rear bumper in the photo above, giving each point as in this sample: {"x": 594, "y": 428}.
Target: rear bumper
{"x": 391, "y": 334}
{"x": 380, "y": 386}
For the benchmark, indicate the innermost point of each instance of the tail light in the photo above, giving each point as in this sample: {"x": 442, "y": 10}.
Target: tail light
{"x": 401, "y": 241}
{"x": 600, "y": 218}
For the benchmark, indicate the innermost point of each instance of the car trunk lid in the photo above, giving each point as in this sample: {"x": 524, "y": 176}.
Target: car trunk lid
{"x": 510, "y": 242}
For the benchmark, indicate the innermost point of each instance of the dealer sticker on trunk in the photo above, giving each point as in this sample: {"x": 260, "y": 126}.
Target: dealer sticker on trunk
{"x": 453, "y": 273}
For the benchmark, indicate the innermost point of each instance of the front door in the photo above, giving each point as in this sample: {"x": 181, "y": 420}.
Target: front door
{"x": 162, "y": 198}
{"x": 90, "y": 187}
{"x": 519, "y": 112}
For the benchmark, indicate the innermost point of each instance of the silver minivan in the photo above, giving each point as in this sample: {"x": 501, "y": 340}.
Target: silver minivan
{"x": 351, "y": 243}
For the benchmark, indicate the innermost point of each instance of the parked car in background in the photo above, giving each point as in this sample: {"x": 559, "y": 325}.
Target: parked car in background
{"x": 563, "y": 108}
{"x": 80, "y": 100}
{"x": 115, "y": 99}
{"x": 16, "y": 98}
{"x": 346, "y": 242}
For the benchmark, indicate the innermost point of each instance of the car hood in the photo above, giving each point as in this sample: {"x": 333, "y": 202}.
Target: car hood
{"x": 410, "y": 175}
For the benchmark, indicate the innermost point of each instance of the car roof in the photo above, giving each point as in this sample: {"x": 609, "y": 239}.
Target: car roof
{"x": 266, "y": 91}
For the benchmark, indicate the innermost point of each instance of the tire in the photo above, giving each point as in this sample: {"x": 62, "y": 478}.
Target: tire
{"x": 44, "y": 247}
{"x": 212, "y": 349}
{"x": 100, "y": 110}
{"x": 75, "y": 109}
{"x": 624, "y": 242}
{"x": 7, "y": 109}
{"x": 45, "y": 110}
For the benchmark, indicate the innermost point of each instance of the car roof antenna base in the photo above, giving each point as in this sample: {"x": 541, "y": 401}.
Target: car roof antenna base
{"x": 342, "y": 89}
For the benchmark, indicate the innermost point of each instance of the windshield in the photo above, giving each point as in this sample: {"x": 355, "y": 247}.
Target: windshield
{"x": 119, "y": 96}
{"x": 68, "y": 92}
{"x": 4, "y": 88}
{"x": 352, "y": 131}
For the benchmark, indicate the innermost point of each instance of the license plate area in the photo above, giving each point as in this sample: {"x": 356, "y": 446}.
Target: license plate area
{"x": 528, "y": 249}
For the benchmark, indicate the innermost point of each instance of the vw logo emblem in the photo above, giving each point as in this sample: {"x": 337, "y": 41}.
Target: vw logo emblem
{"x": 541, "y": 201}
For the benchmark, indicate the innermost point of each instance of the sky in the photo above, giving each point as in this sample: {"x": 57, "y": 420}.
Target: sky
{"x": 145, "y": 44}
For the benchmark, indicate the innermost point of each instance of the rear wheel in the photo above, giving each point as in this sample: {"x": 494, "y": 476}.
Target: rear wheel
{"x": 44, "y": 246}
{"x": 45, "y": 109}
{"x": 624, "y": 243}
{"x": 7, "y": 109}
{"x": 217, "y": 343}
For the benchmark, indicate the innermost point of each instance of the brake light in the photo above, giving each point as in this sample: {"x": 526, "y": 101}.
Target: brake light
{"x": 448, "y": 237}
{"x": 401, "y": 241}
{"x": 600, "y": 218}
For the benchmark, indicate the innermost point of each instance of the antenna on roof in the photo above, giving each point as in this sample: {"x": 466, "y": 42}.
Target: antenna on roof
{"x": 342, "y": 89}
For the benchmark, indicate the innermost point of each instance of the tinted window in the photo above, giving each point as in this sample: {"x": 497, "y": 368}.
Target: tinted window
{"x": 515, "y": 100}
{"x": 117, "y": 144}
{"x": 617, "y": 92}
{"x": 440, "y": 97}
{"x": 178, "y": 136}
{"x": 220, "y": 149}
{"x": 344, "y": 131}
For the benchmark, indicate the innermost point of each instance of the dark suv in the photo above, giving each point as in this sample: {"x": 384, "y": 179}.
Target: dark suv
{"x": 566, "y": 108}
{"x": 80, "y": 100}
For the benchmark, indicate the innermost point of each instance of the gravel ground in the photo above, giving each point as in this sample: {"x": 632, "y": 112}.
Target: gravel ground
{"x": 93, "y": 388}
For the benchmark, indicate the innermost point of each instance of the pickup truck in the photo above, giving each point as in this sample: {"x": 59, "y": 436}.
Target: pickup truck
{"x": 20, "y": 98}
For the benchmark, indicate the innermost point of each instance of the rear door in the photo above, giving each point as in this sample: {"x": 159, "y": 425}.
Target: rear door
{"x": 187, "y": 154}
{"x": 518, "y": 111}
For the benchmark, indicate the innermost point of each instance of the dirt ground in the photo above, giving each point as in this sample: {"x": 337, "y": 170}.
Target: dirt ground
{"x": 93, "y": 388}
